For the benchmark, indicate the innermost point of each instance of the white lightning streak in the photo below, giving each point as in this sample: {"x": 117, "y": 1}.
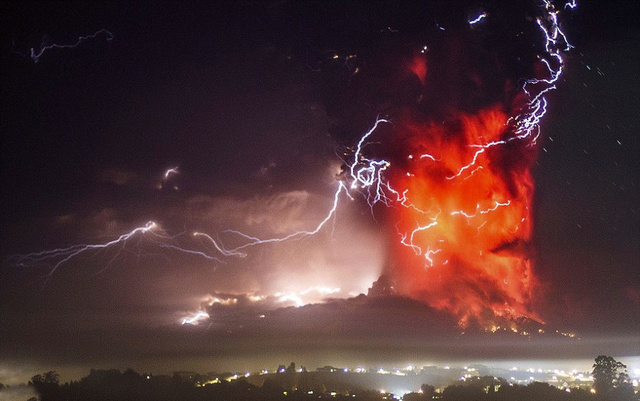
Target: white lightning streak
{"x": 63, "y": 255}
{"x": 571, "y": 4}
{"x": 173, "y": 170}
{"x": 477, "y": 19}
{"x": 35, "y": 56}
{"x": 478, "y": 211}
{"x": 195, "y": 318}
{"x": 296, "y": 235}
{"x": 358, "y": 158}
{"x": 366, "y": 175}
{"x": 363, "y": 178}
{"x": 218, "y": 247}
{"x": 526, "y": 125}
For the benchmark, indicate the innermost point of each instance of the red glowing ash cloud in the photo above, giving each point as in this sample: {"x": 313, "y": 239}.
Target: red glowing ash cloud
{"x": 465, "y": 229}
{"x": 458, "y": 171}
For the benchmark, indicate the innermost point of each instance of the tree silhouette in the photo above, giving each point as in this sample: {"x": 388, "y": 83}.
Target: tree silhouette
{"x": 611, "y": 380}
{"x": 47, "y": 385}
{"x": 292, "y": 368}
{"x": 428, "y": 390}
{"x": 463, "y": 393}
{"x": 50, "y": 377}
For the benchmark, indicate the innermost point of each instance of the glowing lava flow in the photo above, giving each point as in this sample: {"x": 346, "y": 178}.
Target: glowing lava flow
{"x": 256, "y": 304}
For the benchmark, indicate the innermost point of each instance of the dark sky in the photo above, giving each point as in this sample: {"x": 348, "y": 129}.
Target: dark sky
{"x": 254, "y": 102}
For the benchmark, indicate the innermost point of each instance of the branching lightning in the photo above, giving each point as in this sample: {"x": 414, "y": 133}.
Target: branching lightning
{"x": 430, "y": 231}
{"x": 58, "y": 257}
{"x": 253, "y": 241}
{"x": 36, "y": 54}
{"x": 424, "y": 232}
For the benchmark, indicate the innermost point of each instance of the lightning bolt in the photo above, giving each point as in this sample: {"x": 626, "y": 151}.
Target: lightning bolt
{"x": 366, "y": 174}
{"x": 60, "y": 256}
{"x": 253, "y": 241}
{"x": 477, "y": 19}
{"x": 478, "y": 211}
{"x": 195, "y": 318}
{"x": 573, "y": 4}
{"x": 218, "y": 247}
{"x": 165, "y": 177}
{"x": 173, "y": 170}
{"x": 526, "y": 125}
{"x": 35, "y": 55}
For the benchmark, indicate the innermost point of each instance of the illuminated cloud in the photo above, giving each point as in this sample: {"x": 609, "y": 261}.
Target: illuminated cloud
{"x": 279, "y": 214}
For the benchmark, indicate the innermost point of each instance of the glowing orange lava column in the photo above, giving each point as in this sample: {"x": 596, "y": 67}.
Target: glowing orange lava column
{"x": 466, "y": 224}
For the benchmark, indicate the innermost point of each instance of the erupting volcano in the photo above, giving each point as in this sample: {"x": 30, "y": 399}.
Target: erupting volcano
{"x": 455, "y": 167}
{"x": 467, "y": 221}
{"x": 450, "y": 157}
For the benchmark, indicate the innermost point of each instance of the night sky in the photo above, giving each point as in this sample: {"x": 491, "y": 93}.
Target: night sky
{"x": 256, "y": 103}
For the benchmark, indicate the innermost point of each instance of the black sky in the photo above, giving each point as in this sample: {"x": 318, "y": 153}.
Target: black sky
{"x": 246, "y": 99}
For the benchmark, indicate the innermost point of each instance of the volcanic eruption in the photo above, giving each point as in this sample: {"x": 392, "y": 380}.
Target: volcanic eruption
{"x": 455, "y": 167}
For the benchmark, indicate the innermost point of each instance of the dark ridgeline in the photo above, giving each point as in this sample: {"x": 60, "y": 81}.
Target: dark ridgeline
{"x": 610, "y": 380}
